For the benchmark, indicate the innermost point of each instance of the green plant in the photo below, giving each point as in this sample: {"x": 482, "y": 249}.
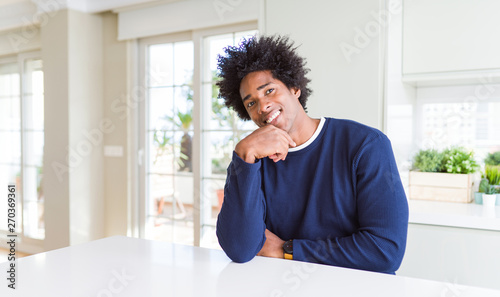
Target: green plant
{"x": 428, "y": 161}
{"x": 183, "y": 121}
{"x": 222, "y": 148}
{"x": 160, "y": 142}
{"x": 224, "y": 116}
{"x": 219, "y": 165}
{"x": 459, "y": 160}
{"x": 39, "y": 188}
{"x": 487, "y": 188}
{"x": 493, "y": 159}
{"x": 452, "y": 160}
{"x": 492, "y": 174}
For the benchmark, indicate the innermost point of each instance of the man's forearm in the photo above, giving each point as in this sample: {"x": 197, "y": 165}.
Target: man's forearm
{"x": 240, "y": 224}
{"x": 361, "y": 250}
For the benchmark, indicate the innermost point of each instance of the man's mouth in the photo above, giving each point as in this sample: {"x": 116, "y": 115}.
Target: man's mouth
{"x": 273, "y": 116}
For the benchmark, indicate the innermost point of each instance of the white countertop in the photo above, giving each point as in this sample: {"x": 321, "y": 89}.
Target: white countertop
{"x": 126, "y": 267}
{"x": 463, "y": 215}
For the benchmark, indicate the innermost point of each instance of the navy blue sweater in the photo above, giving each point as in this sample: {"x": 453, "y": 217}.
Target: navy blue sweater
{"x": 339, "y": 197}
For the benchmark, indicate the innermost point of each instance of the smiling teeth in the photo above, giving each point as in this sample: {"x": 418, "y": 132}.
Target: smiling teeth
{"x": 273, "y": 117}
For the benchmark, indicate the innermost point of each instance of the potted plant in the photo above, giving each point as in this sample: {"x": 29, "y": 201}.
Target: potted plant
{"x": 489, "y": 193}
{"x": 493, "y": 159}
{"x": 492, "y": 174}
{"x": 183, "y": 121}
{"x": 164, "y": 143}
{"x": 443, "y": 176}
{"x": 490, "y": 183}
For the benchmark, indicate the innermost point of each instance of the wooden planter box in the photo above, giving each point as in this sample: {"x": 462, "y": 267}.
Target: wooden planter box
{"x": 447, "y": 187}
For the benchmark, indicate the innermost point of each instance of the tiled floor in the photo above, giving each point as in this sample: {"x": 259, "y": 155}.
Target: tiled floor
{"x": 178, "y": 227}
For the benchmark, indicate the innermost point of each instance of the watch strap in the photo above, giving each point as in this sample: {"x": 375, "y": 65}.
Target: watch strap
{"x": 288, "y": 250}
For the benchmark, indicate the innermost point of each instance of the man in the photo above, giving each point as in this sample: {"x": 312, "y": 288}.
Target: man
{"x": 317, "y": 190}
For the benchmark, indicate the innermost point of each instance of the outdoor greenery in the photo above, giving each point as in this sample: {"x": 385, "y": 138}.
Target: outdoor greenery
{"x": 223, "y": 114}
{"x": 452, "y": 160}
{"x": 183, "y": 121}
{"x": 225, "y": 118}
{"x": 493, "y": 159}
{"x": 219, "y": 165}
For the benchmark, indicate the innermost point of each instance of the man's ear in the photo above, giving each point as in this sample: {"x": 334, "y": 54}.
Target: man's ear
{"x": 296, "y": 92}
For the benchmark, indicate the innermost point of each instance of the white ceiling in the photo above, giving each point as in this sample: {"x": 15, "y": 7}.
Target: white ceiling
{"x": 15, "y": 13}
{"x": 7, "y": 2}
{"x": 89, "y": 6}
{"x": 93, "y": 6}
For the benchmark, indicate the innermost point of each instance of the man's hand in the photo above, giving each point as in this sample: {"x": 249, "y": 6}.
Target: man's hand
{"x": 267, "y": 141}
{"x": 273, "y": 247}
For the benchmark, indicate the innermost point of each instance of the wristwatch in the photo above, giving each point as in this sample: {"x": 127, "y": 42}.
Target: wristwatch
{"x": 288, "y": 249}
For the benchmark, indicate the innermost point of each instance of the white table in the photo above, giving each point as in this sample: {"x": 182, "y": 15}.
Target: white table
{"x": 121, "y": 266}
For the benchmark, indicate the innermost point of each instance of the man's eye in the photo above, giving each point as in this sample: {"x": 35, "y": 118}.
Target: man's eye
{"x": 250, "y": 104}
{"x": 269, "y": 91}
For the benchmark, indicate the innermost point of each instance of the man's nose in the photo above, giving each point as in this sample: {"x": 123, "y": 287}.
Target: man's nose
{"x": 264, "y": 105}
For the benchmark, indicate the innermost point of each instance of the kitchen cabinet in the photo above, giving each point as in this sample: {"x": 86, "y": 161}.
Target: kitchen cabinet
{"x": 451, "y": 41}
{"x": 457, "y": 243}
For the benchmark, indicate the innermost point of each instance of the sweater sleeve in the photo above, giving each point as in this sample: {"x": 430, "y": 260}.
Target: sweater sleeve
{"x": 382, "y": 210}
{"x": 240, "y": 224}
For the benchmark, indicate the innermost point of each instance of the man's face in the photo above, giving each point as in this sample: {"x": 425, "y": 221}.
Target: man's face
{"x": 268, "y": 101}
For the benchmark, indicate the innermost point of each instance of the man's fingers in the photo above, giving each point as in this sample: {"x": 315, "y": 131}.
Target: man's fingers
{"x": 278, "y": 156}
{"x": 288, "y": 138}
{"x": 275, "y": 157}
{"x": 268, "y": 141}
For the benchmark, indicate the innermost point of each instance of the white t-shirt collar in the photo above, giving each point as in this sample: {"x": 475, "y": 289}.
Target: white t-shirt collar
{"x": 311, "y": 140}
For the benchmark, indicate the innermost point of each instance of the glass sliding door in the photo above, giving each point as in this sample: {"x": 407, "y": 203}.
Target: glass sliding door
{"x": 221, "y": 131}
{"x": 22, "y": 135}
{"x": 169, "y": 134}
{"x": 179, "y": 76}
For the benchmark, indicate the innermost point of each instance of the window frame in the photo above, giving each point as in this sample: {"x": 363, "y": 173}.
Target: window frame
{"x": 29, "y": 244}
{"x": 197, "y": 36}
{"x": 439, "y": 98}
{"x": 142, "y": 120}
{"x": 206, "y": 177}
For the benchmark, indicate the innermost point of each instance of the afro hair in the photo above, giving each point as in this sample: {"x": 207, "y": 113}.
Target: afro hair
{"x": 274, "y": 53}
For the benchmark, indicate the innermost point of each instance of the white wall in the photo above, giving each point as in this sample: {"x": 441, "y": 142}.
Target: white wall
{"x": 56, "y": 112}
{"x": 343, "y": 42}
{"x": 115, "y": 169}
{"x": 400, "y": 100}
{"x": 17, "y": 40}
{"x": 73, "y": 181}
{"x": 86, "y": 122}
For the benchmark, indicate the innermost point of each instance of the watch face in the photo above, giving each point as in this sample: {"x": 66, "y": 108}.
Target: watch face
{"x": 288, "y": 247}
